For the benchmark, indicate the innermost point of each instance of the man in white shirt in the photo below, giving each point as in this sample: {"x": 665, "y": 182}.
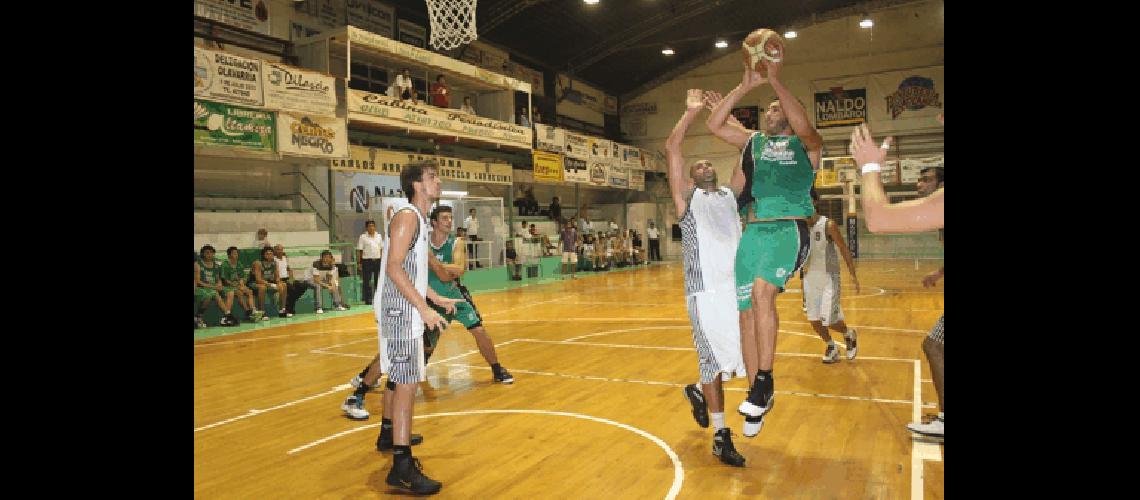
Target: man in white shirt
{"x": 369, "y": 250}
{"x": 296, "y": 288}
{"x": 472, "y": 225}
{"x": 613, "y": 228}
{"x": 654, "y": 242}
{"x": 403, "y": 85}
{"x": 467, "y": 107}
{"x": 324, "y": 275}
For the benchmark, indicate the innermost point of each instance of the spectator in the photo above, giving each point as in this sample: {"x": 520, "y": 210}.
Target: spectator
{"x": 585, "y": 227}
{"x": 547, "y": 247}
{"x": 402, "y": 86}
{"x": 654, "y": 243}
{"x": 264, "y": 279}
{"x": 530, "y": 201}
{"x": 536, "y": 114}
{"x": 208, "y": 280}
{"x": 589, "y": 253}
{"x": 613, "y": 228}
{"x": 637, "y": 250}
{"x": 522, "y": 119}
{"x": 325, "y": 277}
{"x": 609, "y": 250}
{"x": 294, "y": 288}
{"x": 620, "y": 251}
{"x": 234, "y": 275}
{"x": 514, "y": 268}
{"x": 467, "y": 107}
{"x": 570, "y": 243}
{"x": 472, "y": 225}
{"x": 369, "y": 251}
{"x": 522, "y": 232}
{"x": 556, "y": 211}
{"x": 262, "y": 239}
{"x": 440, "y": 95}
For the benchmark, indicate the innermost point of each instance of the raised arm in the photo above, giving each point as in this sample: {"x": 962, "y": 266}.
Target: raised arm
{"x": 911, "y": 216}
{"x": 736, "y": 184}
{"x": 678, "y": 181}
{"x": 718, "y": 118}
{"x": 796, "y": 115}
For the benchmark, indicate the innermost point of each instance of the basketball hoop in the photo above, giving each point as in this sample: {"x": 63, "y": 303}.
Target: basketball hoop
{"x": 452, "y": 23}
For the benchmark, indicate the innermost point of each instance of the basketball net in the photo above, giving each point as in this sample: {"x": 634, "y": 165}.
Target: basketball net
{"x": 452, "y": 23}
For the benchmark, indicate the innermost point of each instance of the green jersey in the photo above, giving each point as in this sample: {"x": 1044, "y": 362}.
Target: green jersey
{"x": 269, "y": 271}
{"x": 780, "y": 175}
{"x": 443, "y": 254}
{"x": 234, "y": 273}
{"x": 209, "y": 275}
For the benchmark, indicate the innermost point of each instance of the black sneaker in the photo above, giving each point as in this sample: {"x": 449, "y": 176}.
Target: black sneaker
{"x": 409, "y": 475}
{"x": 503, "y": 376}
{"x": 233, "y": 320}
{"x": 384, "y": 441}
{"x": 700, "y": 409}
{"x": 723, "y": 448}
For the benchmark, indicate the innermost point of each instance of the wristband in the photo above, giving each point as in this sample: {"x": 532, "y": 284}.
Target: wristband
{"x": 871, "y": 167}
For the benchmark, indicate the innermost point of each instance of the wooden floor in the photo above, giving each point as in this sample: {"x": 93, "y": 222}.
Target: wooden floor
{"x": 596, "y": 410}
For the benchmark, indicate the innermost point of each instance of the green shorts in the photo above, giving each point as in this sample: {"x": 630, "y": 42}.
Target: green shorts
{"x": 201, "y": 293}
{"x": 465, "y": 312}
{"x": 772, "y": 251}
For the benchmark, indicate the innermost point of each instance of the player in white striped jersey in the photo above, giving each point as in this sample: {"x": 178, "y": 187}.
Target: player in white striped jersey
{"x": 710, "y": 232}
{"x": 402, "y": 314}
{"x": 821, "y": 282}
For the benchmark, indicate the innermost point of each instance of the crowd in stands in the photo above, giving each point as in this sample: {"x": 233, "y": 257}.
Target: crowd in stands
{"x": 268, "y": 277}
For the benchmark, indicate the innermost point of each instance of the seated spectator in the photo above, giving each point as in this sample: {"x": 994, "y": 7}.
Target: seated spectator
{"x": 547, "y": 247}
{"x": 264, "y": 279}
{"x": 635, "y": 250}
{"x": 324, "y": 276}
{"x": 285, "y": 274}
{"x": 536, "y": 114}
{"x": 531, "y": 202}
{"x": 262, "y": 239}
{"x": 234, "y": 275}
{"x": 208, "y": 285}
{"x": 556, "y": 211}
{"x": 584, "y": 225}
{"x": 522, "y": 120}
{"x": 467, "y": 107}
{"x": 514, "y": 267}
{"x": 613, "y": 228}
{"x": 620, "y": 252}
{"x": 588, "y": 251}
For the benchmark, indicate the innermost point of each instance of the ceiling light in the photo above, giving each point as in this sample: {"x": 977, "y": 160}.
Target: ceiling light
{"x": 590, "y": 2}
{"x": 866, "y": 22}
{"x": 720, "y": 44}
{"x": 667, "y": 51}
{"x": 458, "y": 194}
{"x": 790, "y": 34}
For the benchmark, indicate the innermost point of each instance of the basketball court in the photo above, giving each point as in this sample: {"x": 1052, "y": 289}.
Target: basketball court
{"x": 596, "y": 410}
{"x": 302, "y": 126}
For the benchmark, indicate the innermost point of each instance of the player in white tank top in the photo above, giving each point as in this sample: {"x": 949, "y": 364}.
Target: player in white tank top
{"x": 821, "y": 283}
{"x": 710, "y": 233}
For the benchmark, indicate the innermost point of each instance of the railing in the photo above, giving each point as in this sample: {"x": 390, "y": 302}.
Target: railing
{"x": 304, "y": 198}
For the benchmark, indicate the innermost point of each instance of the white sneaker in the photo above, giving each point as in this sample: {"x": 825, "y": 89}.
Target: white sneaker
{"x": 341, "y": 308}
{"x": 831, "y": 355}
{"x": 935, "y": 428}
{"x": 354, "y": 408}
{"x": 320, "y": 311}
{"x": 849, "y": 340}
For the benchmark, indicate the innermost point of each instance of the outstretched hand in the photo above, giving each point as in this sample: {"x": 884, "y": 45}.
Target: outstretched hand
{"x": 864, "y": 149}
{"x": 752, "y": 78}
{"x": 693, "y": 99}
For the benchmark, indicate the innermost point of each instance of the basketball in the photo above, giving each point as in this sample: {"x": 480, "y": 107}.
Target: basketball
{"x": 761, "y": 46}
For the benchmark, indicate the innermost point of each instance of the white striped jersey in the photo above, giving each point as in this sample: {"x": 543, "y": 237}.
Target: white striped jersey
{"x": 710, "y": 233}
{"x": 397, "y": 317}
{"x": 824, "y": 256}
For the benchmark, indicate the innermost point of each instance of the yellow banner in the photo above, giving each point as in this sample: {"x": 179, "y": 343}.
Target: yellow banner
{"x": 386, "y": 162}
{"x": 547, "y": 166}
